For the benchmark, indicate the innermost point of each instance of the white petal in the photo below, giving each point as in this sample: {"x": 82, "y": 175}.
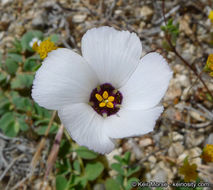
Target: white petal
{"x": 148, "y": 84}
{"x": 63, "y": 78}
{"x": 114, "y": 55}
{"x": 85, "y": 126}
{"x": 132, "y": 122}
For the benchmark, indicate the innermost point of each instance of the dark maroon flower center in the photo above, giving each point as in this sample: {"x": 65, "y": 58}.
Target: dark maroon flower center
{"x": 105, "y": 100}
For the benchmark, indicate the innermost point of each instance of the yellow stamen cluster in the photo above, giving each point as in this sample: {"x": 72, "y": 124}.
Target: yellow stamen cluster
{"x": 211, "y": 16}
{"x": 207, "y": 154}
{"x": 44, "y": 48}
{"x": 189, "y": 171}
{"x": 209, "y": 65}
{"x": 105, "y": 100}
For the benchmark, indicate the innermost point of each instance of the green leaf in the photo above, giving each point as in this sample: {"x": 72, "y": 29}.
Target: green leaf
{"x": 118, "y": 158}
{"x": 44, "y": 113}
{"x": 3, "y": 78}
{"x": 4, "y": 104}
{"x": 11, "y": 66}
{"x": 22, "y": 103}
{"x": 16, "y": 57}
{"x": 120, "y": 179}
{"x": 27, "y": 38}
{"x": 76, "y": 166}
{"x": 54, "y": 38}
{"x": 22, "y": 123}
{"x": 41, "y": 129}
{"x": 111, "y": 184}
{"x": 93, "y": 170}
{"x": 65, "y": 148}
{"x": 118, "y": 167}
{"x": 17, "y": 46}
{"x": 22, "y": 81}
{"x": 129, "y": 182}
{"x": 85, "y": 153}
{"x": 12, "y": 129}
{"x": 8, "y": 125}
{"x": 64, "y": 166}
{"x": 80, "y": 182}
{"x": 127, "y": 156}
{"x": 61, "y": 183}
{"x": 37, "y": 67}
{"x": 209, "y": 97}
{"x": 6, "y": 120}
{"x": 30, "y": 64}
{"x": 132, "y": 170}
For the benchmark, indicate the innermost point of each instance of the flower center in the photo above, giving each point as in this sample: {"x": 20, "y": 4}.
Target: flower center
{"x": 106, "y": 100}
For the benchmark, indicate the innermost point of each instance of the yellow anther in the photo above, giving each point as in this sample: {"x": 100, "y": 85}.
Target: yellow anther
{"x": 105, "y": 95}
{"x": 110, "y": 105}
{"x": 44, "y": 48}
{"x": 111, "y": 98}
{"x": 102, "y": 104}
{"x": 99, "y": 97}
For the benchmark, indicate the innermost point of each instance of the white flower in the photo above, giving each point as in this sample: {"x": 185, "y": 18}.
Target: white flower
{"x": 108, "y": 92}
{"x": 33, "y": 41}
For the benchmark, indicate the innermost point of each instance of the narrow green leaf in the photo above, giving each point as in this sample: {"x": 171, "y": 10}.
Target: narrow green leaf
{"x": 118, "y": 167}
{"x": 118, "y": 158}
{"x": 76, "y": 166}
{"x": 127, "y": 156}
{"x": 133, "y": 170}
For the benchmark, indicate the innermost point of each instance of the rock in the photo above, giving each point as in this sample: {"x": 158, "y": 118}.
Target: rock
{"x": 209, "y": 140}
{"x": 79, "y": 18}
{"x": 5, "y": 2}
{"x": 173, "y": 91}
{"x": 145, "y": 142}
{"x": 39, "y": 21}
{"x": 182, "y": 79}
{"x": 194, "y": 139}
{"x": 145, "y": 11}
{"x": 152, "y": 159}
{"x": 176, "y": 136}
{"x": 160, "y": 176}
{"x": 175, "y": 149}
{"x": 196, "y": 116}
{"x": 99, "y": 186}
{"x": 184, "y": 25}
{"x": 112, "y": 154}
{"x": 194, "y": 152}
